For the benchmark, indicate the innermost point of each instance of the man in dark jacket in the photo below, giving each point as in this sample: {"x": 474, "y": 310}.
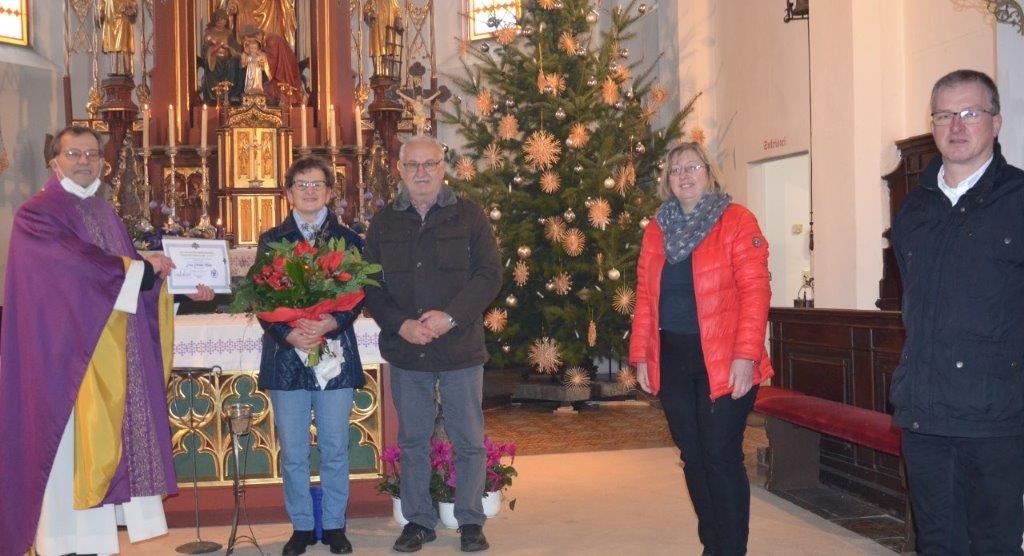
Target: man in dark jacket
{"x": 441, "y": 269}
{"x": 959, "y": 390}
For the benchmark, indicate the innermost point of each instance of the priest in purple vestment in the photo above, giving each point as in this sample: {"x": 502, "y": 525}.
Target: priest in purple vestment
{"x": 85, "y": 350}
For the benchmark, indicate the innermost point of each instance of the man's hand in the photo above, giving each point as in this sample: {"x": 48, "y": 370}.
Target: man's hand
{"x": 203, "y": 293}
{"x": 438, "y": 322}
{"x": 303, "y": 341}
{"x": 641, "y": 376}
{"x": 321, "y": 327}
{"x": 162, "y": 264}
{"x": 741, "y": 377}
{"x": 415, "y": 332}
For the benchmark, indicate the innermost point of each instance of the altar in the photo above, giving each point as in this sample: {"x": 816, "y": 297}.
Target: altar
{"x": 231, "y": 345}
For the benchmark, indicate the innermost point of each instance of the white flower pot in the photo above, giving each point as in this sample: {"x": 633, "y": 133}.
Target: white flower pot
{"x": 492, "y": 503}
{"x": 446, "y": 511}
{"x": 396, "y": 511}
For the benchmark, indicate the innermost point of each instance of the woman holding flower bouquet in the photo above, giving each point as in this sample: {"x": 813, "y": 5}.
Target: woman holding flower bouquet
{"x": 298, "y": 371}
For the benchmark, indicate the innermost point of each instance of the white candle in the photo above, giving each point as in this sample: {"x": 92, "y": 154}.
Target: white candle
{"x": 202, "y": 135}
{"x": 145, "y": 127}
{"x": 359, "y": 127}
{"x": 170, "y": 125}
{"x": 334, "y": 128}
{"x": 303, "y": 132}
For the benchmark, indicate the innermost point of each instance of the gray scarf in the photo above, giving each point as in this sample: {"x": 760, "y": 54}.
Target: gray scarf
{"x": 683, "y": 232}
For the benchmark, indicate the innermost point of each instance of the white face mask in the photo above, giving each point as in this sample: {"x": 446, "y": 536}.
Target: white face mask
{"x": 73, "y": 188}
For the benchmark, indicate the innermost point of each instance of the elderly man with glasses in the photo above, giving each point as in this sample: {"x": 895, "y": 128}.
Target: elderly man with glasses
{"x": 85, "y": 344}
{"x": 441, "y": 269}
{"x": 959, "y": 389}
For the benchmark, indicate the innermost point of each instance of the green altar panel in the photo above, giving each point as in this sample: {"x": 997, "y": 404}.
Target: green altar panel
{"x": 211, "y": 443}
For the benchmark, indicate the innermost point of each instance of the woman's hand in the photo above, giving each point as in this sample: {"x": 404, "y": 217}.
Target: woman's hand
{"x": 203, "y": 293}
{"x": 741, "y": 377}
{"x": 641, "y": 376}
{"x": 302, "y": 340}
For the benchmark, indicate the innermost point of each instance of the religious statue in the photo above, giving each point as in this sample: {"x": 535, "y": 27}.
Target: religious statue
{"x": 284, "y": 79}
{"x": 418, "y": 106}
{"x": 271, "y": 16}
{"x": 384, "y": 18}
{"x": 117, "y": 20}
{"x": 220, "y": 53}
{"x": 255, "y": 63}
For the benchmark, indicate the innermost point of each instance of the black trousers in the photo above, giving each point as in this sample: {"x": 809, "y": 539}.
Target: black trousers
{"x": 710, "y": 440}
{"x": 966, "y": 493}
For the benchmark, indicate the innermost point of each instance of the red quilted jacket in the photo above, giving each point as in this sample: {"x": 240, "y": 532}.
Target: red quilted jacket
{"x": 730, "y": 280}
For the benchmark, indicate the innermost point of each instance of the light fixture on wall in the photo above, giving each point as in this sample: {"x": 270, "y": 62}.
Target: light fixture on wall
{"x": 1008, "y": 12}
{"x": 796, "y": 9}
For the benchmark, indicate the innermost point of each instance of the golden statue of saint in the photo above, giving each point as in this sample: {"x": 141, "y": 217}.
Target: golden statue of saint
{"x": 384, "y": 18}
{"x": 117, "y": 19}
{"x": 269, "y": 16}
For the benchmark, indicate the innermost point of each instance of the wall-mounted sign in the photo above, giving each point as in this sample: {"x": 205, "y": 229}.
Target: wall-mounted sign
{"x": 770, "y": 144}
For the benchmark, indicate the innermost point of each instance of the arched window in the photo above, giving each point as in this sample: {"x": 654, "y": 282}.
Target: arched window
{"x": 481, "y": 12}
{"x": 14, "y": 22}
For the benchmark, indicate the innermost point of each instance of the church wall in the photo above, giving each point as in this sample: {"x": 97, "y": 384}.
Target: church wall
{"x": 1010, "y": 79}
{"x": 30, "y": 94}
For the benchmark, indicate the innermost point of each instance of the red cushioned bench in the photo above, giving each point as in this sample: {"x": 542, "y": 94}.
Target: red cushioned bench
{"x": 795, "y": 423}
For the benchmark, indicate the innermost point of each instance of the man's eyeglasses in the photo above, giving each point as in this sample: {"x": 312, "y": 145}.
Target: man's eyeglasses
{"x": 428, "y": 165}
{"x": 692, "y": 168}
{"x": 77, "y": 154}
{"x": 969, "y": 116}
{"x": 316, "y": 185}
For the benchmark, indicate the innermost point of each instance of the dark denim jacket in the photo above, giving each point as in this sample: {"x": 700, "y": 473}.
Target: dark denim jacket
{"x": 280, "y": 366}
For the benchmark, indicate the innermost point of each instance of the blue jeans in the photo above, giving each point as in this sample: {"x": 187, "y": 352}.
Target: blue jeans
{"x": 461, "y": 397}
{"x": 292, "y": 419}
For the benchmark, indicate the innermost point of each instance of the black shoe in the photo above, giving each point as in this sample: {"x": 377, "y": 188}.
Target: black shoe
{"x": 336, "y": 539}
{"x": 472, "y": 539}
{"x": 298, "y": 543}
{"x": 413, "y": 538}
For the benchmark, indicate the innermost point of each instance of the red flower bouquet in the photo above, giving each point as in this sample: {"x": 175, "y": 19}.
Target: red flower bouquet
{"x": 299, "y": 281}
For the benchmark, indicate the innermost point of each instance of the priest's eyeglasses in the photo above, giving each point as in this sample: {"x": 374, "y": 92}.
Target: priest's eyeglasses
{"x": 428, "y": 165}
{"x": 693, "y": 168}
{"x": 77, "y": 154}
{"x": 969, "y": 116}
{"x": 315, "y": 185}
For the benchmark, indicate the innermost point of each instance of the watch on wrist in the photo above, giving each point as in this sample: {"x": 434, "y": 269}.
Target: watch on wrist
{"x": 451, "y": 321}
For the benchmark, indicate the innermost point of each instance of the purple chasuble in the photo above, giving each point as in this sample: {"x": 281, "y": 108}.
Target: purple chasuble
{"x": 64, "y": 272}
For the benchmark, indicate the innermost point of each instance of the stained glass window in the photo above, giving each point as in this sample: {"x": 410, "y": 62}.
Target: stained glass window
{"x": 14, "y": 21}
{"x": 486, "y": 16}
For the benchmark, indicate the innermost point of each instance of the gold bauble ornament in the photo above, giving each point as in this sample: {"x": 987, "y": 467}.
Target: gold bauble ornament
{"x": 614, "y": 274}
{"x": 644, "y": 222}
{"x": 550, "y": 286}
{"x": 569, "y": 215}
{"x": 495, "y": 214}
{"x": 592, "y": 16}
{"x": 609, "y": 182}
{"x": 524, "y": 251}
{"x": 511, "y": 301}
{"x": 505, "y": 348}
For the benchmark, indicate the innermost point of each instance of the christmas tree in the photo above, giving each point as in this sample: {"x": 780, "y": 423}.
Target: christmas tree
{"x": 560, "y": 151}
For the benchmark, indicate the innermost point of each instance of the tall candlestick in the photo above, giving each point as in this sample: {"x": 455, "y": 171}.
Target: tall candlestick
{"x": 359, "y": 127}
{"x": 170, "y": 125}
{"x": 303, "y": 138}
{"x": 145, "y": 127}
{"x": 334, "y": 127}
{"x": 202, "y": 135}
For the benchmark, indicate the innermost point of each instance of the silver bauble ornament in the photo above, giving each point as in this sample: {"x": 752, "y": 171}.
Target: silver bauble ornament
{"x": 591, "y": 81}
{"x": 570, "y": 143}
{"x": 613, "y": 66}
{"x": 559, "y": 5}
{"x": 641, "y": 9}
{"x": 549, "y": 90}
{"x": 560, "y": 114}
{"x": 640, "y": 148}
{"x": 518, "y": 180}
{"x": 542, "y": 220}
{"x": 593, "y": 16}
{"x": 630, "y": 94}
{"x": 510, "y": 102}
{"x": 495, "y": 214}
{"x": 614, "y": 274}
{"x": 624, "y": 54}
{"x": 609, "y": 182}
{"x": 524, "y": 251}
{"x": 580, "y": 51}
{"x": 644, "y": 222}
{"x": 577, "y": 168}
{"x": 528, "y": 30}
{"x": 550, "y": 286}
{"x": 505, "y": 348}
{"x": 620, "y": 105}
{"x": 661, "y": 165}
{"x": 588, "y": 202}
{"x": 569, "y": 216}
{"x": 511, "y": 300}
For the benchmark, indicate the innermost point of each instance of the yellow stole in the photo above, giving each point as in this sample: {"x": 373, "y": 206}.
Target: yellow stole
{"x": 100, "y": 405}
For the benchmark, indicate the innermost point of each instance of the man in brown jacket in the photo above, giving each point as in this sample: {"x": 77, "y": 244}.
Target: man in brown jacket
{"x": 441, "y": 269}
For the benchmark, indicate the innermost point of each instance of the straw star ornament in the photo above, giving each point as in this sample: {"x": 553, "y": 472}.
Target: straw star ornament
{"x": 544, "y": 355}
{"x": 542, "y": 150}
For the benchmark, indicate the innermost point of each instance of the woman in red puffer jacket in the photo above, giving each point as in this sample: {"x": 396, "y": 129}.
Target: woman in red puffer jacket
{"x": 698, "y": 336}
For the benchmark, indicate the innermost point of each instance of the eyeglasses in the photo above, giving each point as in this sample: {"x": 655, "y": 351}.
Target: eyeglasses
{"x": 91, "y": 155}
{"x": 691, "y": 168}
{"x": 428, "y": 165}
{"x": 969, "y": 116}
{"x": 316, "y": 185}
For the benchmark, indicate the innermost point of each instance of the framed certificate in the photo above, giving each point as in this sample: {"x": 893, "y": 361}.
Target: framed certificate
{"x": 198, "y": 261}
